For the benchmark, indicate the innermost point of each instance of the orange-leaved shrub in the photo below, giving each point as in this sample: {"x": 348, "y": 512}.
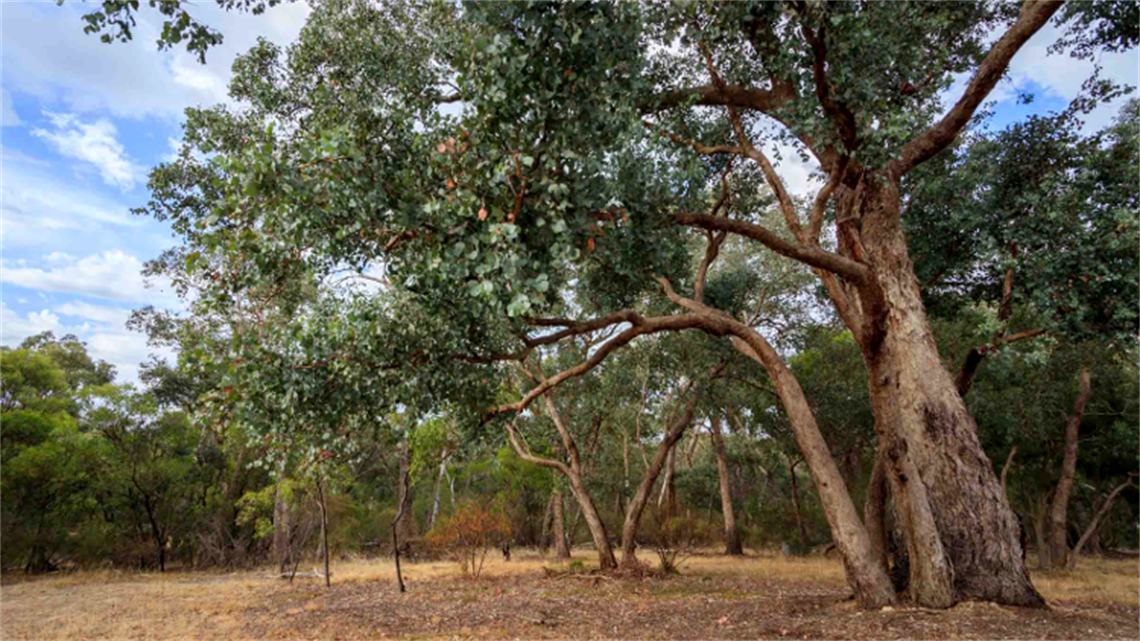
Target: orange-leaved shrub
{"x": 473, "y": 530}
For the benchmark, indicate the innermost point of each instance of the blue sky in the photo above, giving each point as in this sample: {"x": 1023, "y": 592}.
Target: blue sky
{"x": 83, "y": 122}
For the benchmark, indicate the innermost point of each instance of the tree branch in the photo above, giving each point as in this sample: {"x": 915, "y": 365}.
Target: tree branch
{"x": 1034, "y": 15}
{"x": 813, "y": 256}
{"x": 525, "y": 454}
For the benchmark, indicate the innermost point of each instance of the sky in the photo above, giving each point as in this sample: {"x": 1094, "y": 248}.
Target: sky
{"x": 82, "y": 123}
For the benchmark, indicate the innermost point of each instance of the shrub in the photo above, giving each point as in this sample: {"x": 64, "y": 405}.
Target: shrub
{"x": 676, "y": 538}
{"x": 469, "y": 534}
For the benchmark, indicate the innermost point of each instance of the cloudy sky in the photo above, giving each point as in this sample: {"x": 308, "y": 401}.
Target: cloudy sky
{"x": 83, "y": 122}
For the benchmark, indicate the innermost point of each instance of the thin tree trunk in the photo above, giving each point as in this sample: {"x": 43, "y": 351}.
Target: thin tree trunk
{"x": 1041, "y": 533}
{"x": 1059, "y": 515}
{"x": 594, "y": 522}
{"x": 404, "y": 489}
{"x": 1005, "y": 473}
{"x": 324, "y": 530}
{"x": 405, "y": 524}
{"x": 438, "y": 489}
{"x": 282, "y": 551}
{"x": 664, "y": 453}
{"x": 872, "y": 586}
{"x": 667, "y": 499}
{"x": 796, "y": 502}
{"x": 547, "y": 523}
{"x": 1076, "y": 553}
{"x": 874, "y": 513}
{"x": 573, "y": 474}
{"x": 732, "y": 544}
{"x": 561, "y": 550}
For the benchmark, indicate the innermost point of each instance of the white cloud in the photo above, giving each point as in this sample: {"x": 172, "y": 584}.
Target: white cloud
{"x": 38, "y": 206}
{"x": 93, "y": 143}
{"x": 15, "y": 328}
{"x": 8, "y": 116}
{"x": 99, "y": 313}
{"x": 47, "y": 55}
{"x": 59, "y": 257}
{"x": 111, "y": 275}
{"x": 1058, "y": 75}
{"x": 102, "y": 328}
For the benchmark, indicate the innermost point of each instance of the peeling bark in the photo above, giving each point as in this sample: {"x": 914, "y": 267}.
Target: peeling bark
{"x": 962, "y": 536}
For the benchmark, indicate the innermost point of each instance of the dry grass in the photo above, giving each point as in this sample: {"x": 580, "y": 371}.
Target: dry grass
{"x": 1095, "y": 579}
{"x": 763, "y": 592}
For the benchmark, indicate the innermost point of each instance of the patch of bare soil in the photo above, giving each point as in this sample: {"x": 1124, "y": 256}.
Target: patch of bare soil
{"x": 715, "y": 598}
{"x": 686, "y": 607}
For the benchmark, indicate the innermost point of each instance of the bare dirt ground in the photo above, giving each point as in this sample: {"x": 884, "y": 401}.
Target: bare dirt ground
{"x": 714, "y": 598}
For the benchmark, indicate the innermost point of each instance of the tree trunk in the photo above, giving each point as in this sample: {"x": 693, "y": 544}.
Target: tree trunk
{"x": 561, "y": 550}
{"x": 732, "y": 544}
{"x": 406, "y": 523}
{"x": 1092, "y": 528}
{"x": 664, "y": 454}
{"x": 872, "y": 587}
{"x": 875, "y": 512}
{"x": 796, "y": 503}
{"x": 1041, "y": 533}
{"x": 667, "y": 499}
{"x": 281, "y": 547}
{"x": 1005, "y": 474}
{"x": 324, "y": 530}
{"x": 606, "y": 559}
{"x": 403, "y": 490}
{"x": 438, "y": 489}
{"x": 572, "y": 472}
{"x": 1059, "y": 516}
{"x": 962, "y": 536}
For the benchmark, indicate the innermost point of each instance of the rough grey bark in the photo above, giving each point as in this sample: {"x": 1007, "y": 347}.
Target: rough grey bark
{"x": 732, "y": 543}
{"x": 1059, "y": 515}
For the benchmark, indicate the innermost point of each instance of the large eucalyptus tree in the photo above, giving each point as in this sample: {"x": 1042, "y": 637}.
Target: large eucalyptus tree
{"x": 494, "y": 158}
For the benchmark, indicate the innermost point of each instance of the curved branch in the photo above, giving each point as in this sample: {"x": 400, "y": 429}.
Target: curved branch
{"x": 813, "y": 256}
{"x": 525, "y": 454}
{"x": 1034, "y": 15}
{"x": 640, "y": 326}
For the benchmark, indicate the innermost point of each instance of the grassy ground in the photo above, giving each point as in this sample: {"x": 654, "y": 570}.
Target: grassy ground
{"x": 714, "y": 597}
